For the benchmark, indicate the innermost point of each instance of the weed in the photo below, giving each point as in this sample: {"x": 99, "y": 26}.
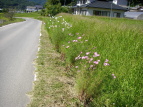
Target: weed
{"x": 111, "y": 73}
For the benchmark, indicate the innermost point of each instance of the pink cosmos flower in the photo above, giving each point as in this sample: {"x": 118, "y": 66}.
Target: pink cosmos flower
{"x": 98, "y": 60}
{"x": 76, "y": 66}
{"x": 106, "y": 60}
{"x": 87, "y": 53}
{"x": 106, "y": 64}
{"x": 114, "y": 76}
{"x": 78, "y": 57}
{"x": 75, "y": 40}
{"x": 67, "y": 46}
{"x": 79, "y": 38}
{"x": 84, "y": 57}
{"x": 91, "y": 59}
{"x": 95, "y": 62}
{"x": 91, "y": 66}
{"x": 96, "y": 54}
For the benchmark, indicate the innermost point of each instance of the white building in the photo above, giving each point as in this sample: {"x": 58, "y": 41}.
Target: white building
{"x": 30, "y": 9}
{"x": 120, "y": 2}
{"x": 99, "y": 8}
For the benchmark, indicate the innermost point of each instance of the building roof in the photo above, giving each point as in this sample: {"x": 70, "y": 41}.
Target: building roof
{"x": 104, "y": 4}
{"x": 31, "y": 7}
{"x": 39, "y": 6}
{"x": 133, "y": 15}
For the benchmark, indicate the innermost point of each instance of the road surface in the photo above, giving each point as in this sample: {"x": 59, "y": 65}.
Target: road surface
{"x": 18, "y": 48}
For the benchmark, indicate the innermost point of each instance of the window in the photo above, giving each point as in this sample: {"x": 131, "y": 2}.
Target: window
{"x": 101, "y": 13}
{"x": 98, "y": 13}
{"x": 117, "y": 14}
{"x": 83, "y": 12}
{"x": 84, "y": 1}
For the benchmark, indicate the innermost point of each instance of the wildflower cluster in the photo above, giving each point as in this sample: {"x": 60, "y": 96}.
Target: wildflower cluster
{"x": 78, "y": 40}
{"x": 59, "y": 22}
{"x": 90, "y": 60}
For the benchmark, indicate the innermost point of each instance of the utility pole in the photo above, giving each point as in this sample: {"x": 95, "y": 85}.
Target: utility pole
{"x": 64, "y": 2}
{"x": 111, "y": 12}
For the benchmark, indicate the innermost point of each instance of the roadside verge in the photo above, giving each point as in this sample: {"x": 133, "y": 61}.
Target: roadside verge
{"x": 52, "y": 88}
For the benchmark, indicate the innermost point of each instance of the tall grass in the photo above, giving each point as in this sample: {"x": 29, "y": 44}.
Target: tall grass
{"x": 32, "y": 15}
{"x": 104, "y": 55}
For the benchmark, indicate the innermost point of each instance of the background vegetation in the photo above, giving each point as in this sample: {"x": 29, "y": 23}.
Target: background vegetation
{"x": 105, "y": 57}
{"x": 15, "y": 4}
{"x": 8, "y": 17}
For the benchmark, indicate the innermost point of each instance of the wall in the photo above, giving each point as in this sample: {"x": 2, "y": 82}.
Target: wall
{"x": 90, "y": 11}
{"x": 120, "y": 2}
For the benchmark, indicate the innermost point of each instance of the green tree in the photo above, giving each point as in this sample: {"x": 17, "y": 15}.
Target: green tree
{"x": 52, "y": 10}
{"x": 135, "y": 2}
{"x": 53, "y": 2}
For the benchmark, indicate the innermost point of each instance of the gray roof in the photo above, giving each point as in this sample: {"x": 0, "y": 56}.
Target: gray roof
{"x": 39, "y": 6}
{"x": 104, "y": 4}
{"x": 133, "y": 15}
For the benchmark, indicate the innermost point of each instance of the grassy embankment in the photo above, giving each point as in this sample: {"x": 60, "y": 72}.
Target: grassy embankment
{"x": 7, "y": 21}
{"x": 105, "y": 58}
{"x": 99, "y": 58}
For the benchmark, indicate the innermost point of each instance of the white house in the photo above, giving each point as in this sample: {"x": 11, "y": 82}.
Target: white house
{"x": 30, "y": 9}
{"x": 33, "y": 8}
{"x": 120, "y": 2}
{"x": 99, "y": 8}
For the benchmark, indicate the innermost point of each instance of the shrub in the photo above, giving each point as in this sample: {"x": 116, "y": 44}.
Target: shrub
{"x": 9, "y": 15}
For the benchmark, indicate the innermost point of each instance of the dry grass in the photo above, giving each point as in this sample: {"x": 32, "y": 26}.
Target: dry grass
{"x": 53, "y": 88}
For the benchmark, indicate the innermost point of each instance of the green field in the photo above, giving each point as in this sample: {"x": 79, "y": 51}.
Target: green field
{"x": 32, "y": 15}
{"x": 105, "y": 56}
{"x": 7, "y": 21}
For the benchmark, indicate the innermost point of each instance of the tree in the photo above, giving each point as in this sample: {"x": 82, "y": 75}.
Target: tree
{"x": 15, "y": 4}
{"x": 135, "y": 2}
{"x": 53, "y": 7}
{"x": 53, "y": 2}
{"x": 67, "y": 2}
{"x": 52, "y": 10}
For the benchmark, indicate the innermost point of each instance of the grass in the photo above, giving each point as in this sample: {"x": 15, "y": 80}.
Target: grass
{"x": 52, "y": 87}
{"x": 7, "y": 21}
{"x": 104, "y": 56}
{"x": 31, "y": 15}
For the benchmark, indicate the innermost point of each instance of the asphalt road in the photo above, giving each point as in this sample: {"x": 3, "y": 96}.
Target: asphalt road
{"x": 18, "y": 48}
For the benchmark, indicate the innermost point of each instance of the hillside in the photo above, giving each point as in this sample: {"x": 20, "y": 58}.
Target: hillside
{"x": 20, "y": 4}
{"x": 16, "y": 4}
{"x": 41, "y": 2}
